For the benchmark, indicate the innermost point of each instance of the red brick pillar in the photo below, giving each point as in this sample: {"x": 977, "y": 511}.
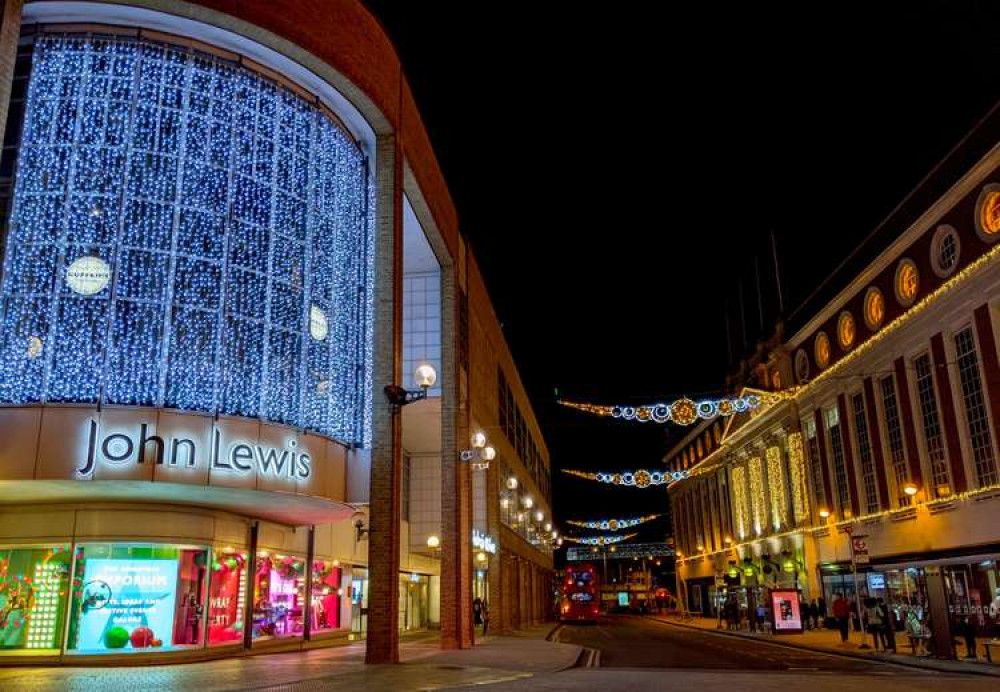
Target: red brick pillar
{"x": 456, "y": 483}
{"x": 382, "y": 645}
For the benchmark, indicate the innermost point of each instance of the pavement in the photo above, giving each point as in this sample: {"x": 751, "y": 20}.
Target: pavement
{"x": 423, "y": 666}
{"x": 828, "y": 642}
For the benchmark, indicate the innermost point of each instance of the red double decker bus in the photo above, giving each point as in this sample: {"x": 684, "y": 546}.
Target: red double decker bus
{"x": 580, "y": 595}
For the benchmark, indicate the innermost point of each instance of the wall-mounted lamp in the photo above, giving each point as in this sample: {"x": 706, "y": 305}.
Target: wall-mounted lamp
{"x": 360, "y": 530}
{"x": 824, "y": 513}
{"x": 433, "y": 542}
{"x": 911, "y": 489}
{"x": 425, "y": 376}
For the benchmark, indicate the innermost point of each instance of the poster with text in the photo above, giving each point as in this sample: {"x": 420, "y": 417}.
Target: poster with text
{"x": 785, "y": 611}
{"x": 127, "y": 604}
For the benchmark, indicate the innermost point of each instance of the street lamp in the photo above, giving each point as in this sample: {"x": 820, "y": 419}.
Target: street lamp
{"x": 481, "y": 453}
{"x": 425, "y": 376}
{"x": 433, "y": 542}
{"x": 824, "y": 513}
{"x": 911, "y": 489}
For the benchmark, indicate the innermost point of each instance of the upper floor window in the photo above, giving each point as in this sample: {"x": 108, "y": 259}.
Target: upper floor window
{"x": 907, "y": 282}
{"x": 863, "y": 440}
{"x": 988, "y": 213}
{"x": 815, "y": 463}
{"x": 976, "y": 419}
{"x": 931, "y": 423}
{"x": 874, "y": 308}
{"x": 944, "y": 250}
{"x": 894, "y": 439}
{"x": 839, "y": 462}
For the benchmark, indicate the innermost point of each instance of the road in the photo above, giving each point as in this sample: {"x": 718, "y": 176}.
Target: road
{"x": 638, "y": 654}
{"x": 634, "y": 642}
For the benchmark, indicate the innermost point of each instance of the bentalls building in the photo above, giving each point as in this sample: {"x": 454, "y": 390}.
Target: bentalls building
{"x": 204, "y": 258}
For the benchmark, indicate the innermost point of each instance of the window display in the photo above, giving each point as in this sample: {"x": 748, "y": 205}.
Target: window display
{"x": 33, "y": 586}
{"x": 279, "y": 596}
{"x": 326, "y": 592}
{"x": 129, "y": 597}
{"x": 227, "y": 598}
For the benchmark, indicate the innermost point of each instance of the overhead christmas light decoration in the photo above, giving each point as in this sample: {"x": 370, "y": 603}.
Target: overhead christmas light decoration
{"x": 640, "y": 479}
{"x": 186, "y": 233}
{"x": 684, "y": 411}
{"x": 600, "y": 540}
{"x": 614, "y": 524}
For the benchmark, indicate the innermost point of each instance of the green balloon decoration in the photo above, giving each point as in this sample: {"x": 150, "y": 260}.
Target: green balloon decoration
{"x": 231, "y": 563}
{"x": 116, "y": 638}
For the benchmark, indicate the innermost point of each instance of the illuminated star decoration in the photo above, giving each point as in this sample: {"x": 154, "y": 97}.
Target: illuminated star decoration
{"x": 684, "y": 411}
{"x": 639, "y": 479}
{"x": 614, "y": 524}
{"x": 601, "y": 540}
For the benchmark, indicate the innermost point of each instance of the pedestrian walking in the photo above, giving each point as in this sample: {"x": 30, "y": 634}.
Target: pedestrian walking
{"x": 477, "y": 611}
{"x": 842, "y": 611}
{"x": 814, "y": 613}
{"x": 888, "y": 626}
{"x": 486, "y": 616}
{"x": 874, "y": 618}
{"x": 822, "y": 610}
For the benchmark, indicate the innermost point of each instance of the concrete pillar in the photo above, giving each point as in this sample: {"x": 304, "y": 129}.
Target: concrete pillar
{"x": 382, "y": 644}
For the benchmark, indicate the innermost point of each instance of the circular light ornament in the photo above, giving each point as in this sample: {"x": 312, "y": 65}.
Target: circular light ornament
{"x": 988, "y": 213}
{"x": 822, "y": 350}
{"x": 88, "y": 275}
{"x": 34, "y": 347}
{"x": 684, "y": 412}
{"x": 613, "y": 525}
{"x": 874, "y": 308}
{"x": 642, "y": 478}
{"x": 907, "y": 282}
{"x": 846, "y": 330}
{"x": 319, "y": 327}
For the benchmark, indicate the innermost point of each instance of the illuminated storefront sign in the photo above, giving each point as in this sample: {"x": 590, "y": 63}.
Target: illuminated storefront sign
{"x": 482, "y": 541}
{"x": 239, "y": 456}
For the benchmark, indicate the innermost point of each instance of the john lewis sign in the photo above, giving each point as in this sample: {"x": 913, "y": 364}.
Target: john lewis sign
{"x": 139, "y": 446}
{"x": 484, "y": 542}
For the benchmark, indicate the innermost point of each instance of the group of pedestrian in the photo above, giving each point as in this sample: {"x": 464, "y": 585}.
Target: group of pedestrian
{"x": 881, "y": 624}
{"x": 814, "y": 613}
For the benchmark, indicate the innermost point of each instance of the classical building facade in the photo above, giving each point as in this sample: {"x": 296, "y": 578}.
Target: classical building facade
{"x": 224, "y": 233}
{"x": 885, "y": 431}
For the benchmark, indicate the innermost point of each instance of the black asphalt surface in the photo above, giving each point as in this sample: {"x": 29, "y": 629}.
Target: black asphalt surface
{"x": 634, "y": 642}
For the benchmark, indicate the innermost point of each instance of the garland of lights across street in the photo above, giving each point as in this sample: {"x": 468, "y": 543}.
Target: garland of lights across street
{"x": 639, "y": 479}
{"x": 614, "y": 524}
{"x": 600, "y": 540}
{"x": 684, "y": 411}
{"x": 186, "y": 233}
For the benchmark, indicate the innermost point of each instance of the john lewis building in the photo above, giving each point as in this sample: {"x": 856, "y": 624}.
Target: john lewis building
{"x": 201, "y": 295}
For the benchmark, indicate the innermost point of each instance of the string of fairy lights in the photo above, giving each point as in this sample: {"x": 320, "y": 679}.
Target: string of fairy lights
{"x": 683, "y": 411}
{"x": 614, "y": 524}
{"x": 600, "y": 540}
{"x": 199, "y": 238}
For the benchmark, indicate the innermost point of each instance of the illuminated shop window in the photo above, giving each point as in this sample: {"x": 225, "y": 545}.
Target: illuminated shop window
{"x": 130, "y": 597}
{"x": 988, "y": 213}
{"x": 227, "y": 598}
{"x": 326, "y": 593}
{"x": 279, "y": 597}
{"x": 34, "y": 584}
{"x": 822, "y": 350}
{"x": 874, "y": 308}
{"x": 907, "y": 282}
{"x": 846, "y": 330}
{"x": 185, "y": 233}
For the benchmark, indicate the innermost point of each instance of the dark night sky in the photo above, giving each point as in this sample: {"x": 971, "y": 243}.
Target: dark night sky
{"x": 616, "y": 172}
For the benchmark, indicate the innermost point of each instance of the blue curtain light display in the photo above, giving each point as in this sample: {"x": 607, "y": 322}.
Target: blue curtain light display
{"x": 186, "y": 233}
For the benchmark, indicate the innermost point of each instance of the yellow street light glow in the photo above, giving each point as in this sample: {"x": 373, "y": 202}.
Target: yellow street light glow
{"x": 824, "y": 512}
{"x": 910, "y": 489}
{"x": 479, "y": 440}
{"x": 433, "y": 542}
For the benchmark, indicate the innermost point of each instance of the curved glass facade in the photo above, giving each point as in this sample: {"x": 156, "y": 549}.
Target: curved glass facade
{"x": 185, "y": 233}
